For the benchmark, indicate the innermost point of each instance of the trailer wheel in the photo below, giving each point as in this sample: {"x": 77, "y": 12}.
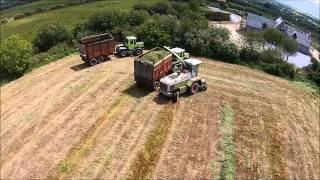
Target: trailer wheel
{"x": 123, "y": 53}
{"x": 194, "y": 88}
{"x": 175, "y": 97}
{"x": 93, "y": 62}
{"x": 156, "y": 85}
{"x": 139, "y": 52}
{"x": 100, "y": 59}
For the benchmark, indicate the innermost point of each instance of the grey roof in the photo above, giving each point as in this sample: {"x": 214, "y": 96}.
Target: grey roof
{"x": 303, "y": 38}
{"x": 256, "y": 21}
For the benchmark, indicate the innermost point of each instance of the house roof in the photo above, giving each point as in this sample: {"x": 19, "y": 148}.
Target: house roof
{"x": 256, "y": 21}
{"x": 303, "y": 38}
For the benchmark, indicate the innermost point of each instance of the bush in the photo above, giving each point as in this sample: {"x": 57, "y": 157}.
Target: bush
{"x": 248, "y": 55}
{"x": 280, "y": 69}
{"x": 271, "y": 56}
{"x": 140, "y": 6}
{"x": 81, "y": 30}
{"x": 57, "y": 52}
{"x": 157, "y": 31}
{"x": 107, "y": 21}
{"x": 159, "y": 8}
{"x": 15, "y": 55}
{"x": 51, "y": 35}
{"x": 136, "y": 18}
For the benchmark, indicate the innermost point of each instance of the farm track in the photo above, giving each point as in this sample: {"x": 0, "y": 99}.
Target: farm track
{"x": 66, "y": 121}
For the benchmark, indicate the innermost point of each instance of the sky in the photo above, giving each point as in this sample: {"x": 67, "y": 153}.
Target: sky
{"x": 312, "y": 7}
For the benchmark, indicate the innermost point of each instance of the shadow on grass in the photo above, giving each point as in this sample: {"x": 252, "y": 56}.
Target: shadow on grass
{"x": 80, "y": 67}
{"x": 137, "y": 92}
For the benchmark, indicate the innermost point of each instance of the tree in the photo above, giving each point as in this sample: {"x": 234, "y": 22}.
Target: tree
{"x": 136, "y": 18}
{"x": 107, "y": 21}
{"x": 273, "y": 36}
{"x": 15, "y": 54}
{"x": 51, "y": 35}
{"x": 159, "y": 8}
{"x": 289, "y": 46}
{"x": 254, "y": 40}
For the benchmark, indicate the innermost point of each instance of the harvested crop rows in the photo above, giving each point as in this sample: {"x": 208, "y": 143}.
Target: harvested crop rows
{"x": 66, "y": 120}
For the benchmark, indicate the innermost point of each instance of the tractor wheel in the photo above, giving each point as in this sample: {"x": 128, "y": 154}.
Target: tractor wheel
{"x": 93, "y": 62}
{"x": 194, "y": 88}
{"x": 100, "y": 59}
{"x": 123, "y": 53}
{"x": 175, "y": 97}
{"x": 204, "y": 86}
{"x": 156, "y": 85}
{"x": 139, "y": 52}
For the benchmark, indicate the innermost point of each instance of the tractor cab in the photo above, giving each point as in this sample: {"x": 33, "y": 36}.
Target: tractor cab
{"x": 130, "y": 42}
{"x": 180, "y": 52}
{"x": 193, "y": 66}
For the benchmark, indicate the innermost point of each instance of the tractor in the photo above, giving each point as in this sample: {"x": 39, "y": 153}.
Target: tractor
{"x": 130, "y": 47}
{"x": 179, "y": 83}
{"x": 179, "y": 55}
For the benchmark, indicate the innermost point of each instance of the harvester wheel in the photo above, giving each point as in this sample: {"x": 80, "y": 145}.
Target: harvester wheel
{"x": 100, "y": 59}
{"x": 93, "y": 62}
{"x": 194, "y": 88}
{"x": 156, "y": 85}
{"x": 139, "y": 52}
{"x": 175, "y": 97}
{"x": 123, "y": 53}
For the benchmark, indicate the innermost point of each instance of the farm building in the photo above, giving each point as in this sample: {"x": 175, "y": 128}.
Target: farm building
{"x": 259, "y": 23}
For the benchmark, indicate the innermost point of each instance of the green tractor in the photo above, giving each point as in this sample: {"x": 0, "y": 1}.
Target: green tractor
{"x": 188, "y": 80}
{"x": 130, "y": 47}
{"x": 179, "y": 55}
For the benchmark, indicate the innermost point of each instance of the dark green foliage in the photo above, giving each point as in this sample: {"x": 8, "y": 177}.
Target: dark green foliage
{"x": 289, "y": 46}
{"x": 249, "y": 55}
{"x": 136, "y": 18}
{"x": 57, "y": 52}
{"x": 107, "y": 21}
{"x": 51, "y": 35}
{"x": 313, "y": 71}
{"x": 253, "y": 40}
{"x": 159, "y": 8}
{"x": 212, "y": 42}
{"x": 280, "y": 69}
{"x": 273, "y": 36}
{"x": 141, "y": 6}
{"x": 81, "y": 30}
{"x": 15, "y": 55}
{"x": 270, "y": 56}
{"x": 157, "y": 31}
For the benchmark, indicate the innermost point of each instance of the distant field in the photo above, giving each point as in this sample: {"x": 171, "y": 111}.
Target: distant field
{"x": 69, "y": 16}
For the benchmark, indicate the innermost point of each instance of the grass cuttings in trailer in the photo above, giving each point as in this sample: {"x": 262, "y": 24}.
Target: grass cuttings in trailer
{"x": 154, "y": 56}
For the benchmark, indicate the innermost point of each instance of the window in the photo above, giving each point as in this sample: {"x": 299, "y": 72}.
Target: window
{"x": 264, "y": 26}
{"x": 295, "y": 36}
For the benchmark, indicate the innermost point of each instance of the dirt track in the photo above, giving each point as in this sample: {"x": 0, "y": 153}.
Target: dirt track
{"x": 66, "y": 120}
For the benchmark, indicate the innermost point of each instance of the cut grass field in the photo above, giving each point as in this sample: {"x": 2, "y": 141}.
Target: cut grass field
{"x": 68, "y": 16}
{"x": 69, "y": 121}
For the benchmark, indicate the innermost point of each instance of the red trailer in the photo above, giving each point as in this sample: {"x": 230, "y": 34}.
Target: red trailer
{"x": 96, "y": 49}
{"x": 150, "y": 67}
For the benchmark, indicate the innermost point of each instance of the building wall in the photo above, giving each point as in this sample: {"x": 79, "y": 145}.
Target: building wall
{"x": 252, "y": 28}
{"x": 304, "y": 49}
